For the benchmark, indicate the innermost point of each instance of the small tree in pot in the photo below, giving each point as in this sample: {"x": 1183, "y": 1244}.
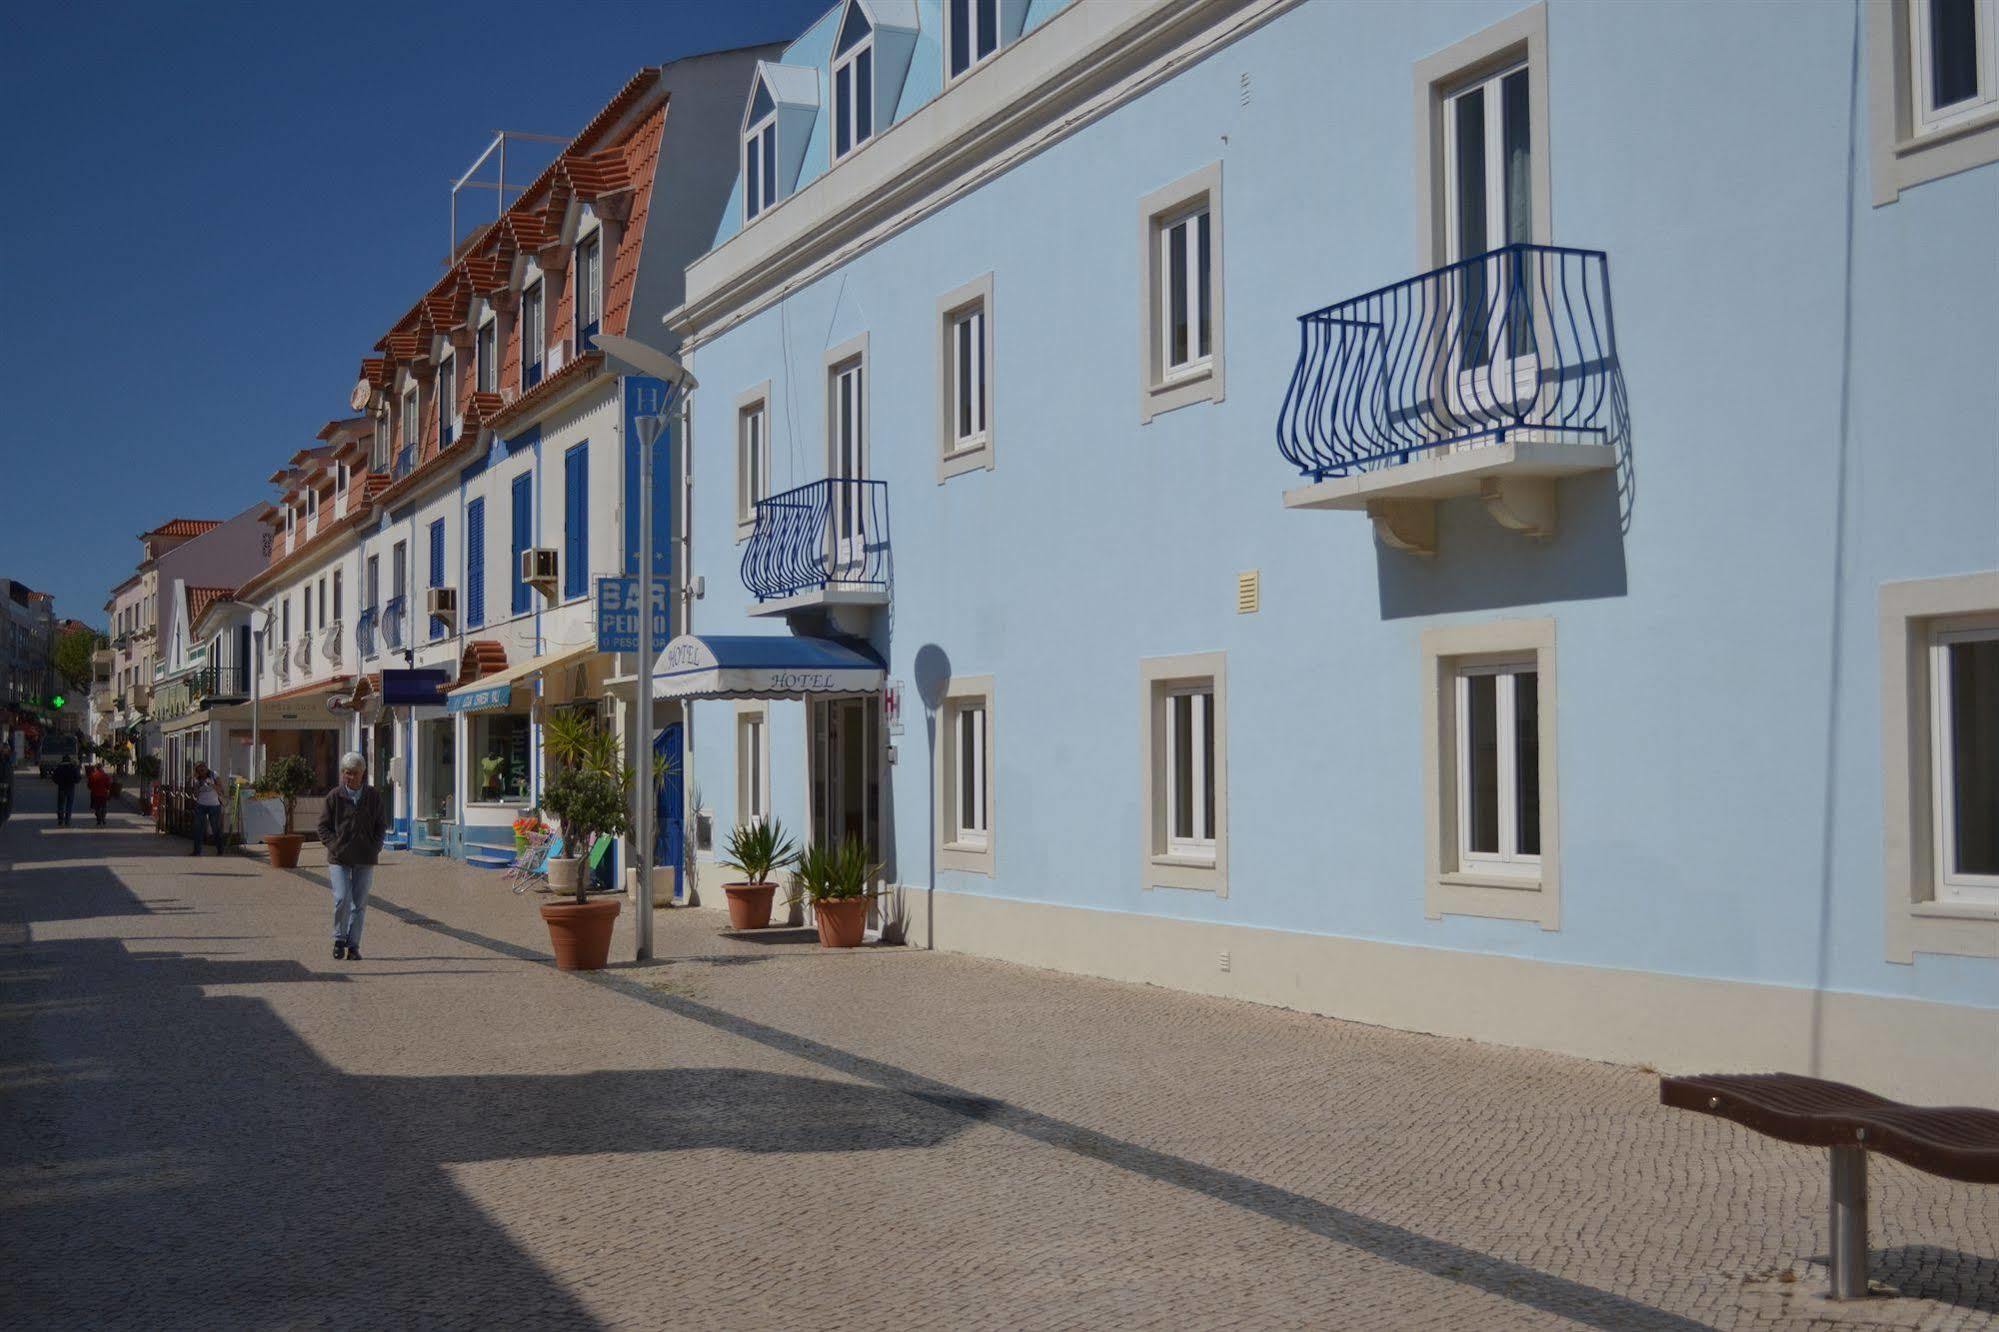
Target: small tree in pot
{"x": 587, "y": 793}
{"x": 287, "y": 779}
{"x": 756, "y": 849}
{"x": 838, "y": 881}
{"x": 149, "y": 772}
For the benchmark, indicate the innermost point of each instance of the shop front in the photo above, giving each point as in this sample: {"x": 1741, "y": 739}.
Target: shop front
{"x": 495, "y": 723}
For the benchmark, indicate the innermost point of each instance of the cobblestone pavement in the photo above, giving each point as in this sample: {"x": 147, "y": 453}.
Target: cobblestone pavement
{"x": 209, "y": 1123}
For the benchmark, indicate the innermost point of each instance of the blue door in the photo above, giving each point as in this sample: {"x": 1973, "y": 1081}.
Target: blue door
{"x": 666, "y": 844}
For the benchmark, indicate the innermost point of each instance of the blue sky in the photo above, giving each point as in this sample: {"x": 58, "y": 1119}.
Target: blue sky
{"x": 214, "y": 211}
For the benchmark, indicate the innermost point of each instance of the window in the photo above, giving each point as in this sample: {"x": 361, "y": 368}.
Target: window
{"x": 411, "y": 429}
{"x": 752, "y": 763}
{"x": 371, "y": 583}
{"x": 1489, "y": 773}
{"x": 1940, "y": 753}
{"x": 322, "y": 602}
{"x": 534, "y": 334}
{"x": 759, "y": 155}
{"x": 500, "y": 753}
{"x": 589, "y": 288}
{"x": 1184, "y": 740}
{"x": 437, "y": 570}
{"x": 853, "y": 84}
{"x": 336, "y": 597}
{"x": 340, "y": 478}
{"x": 522, "y": 498}
{"x": 291, "y": 522}
{"x": 576, "y": 520}
{"x": 971, "y": 33}
{"x": 1482, "y": 146}
{"x": 964, "y": 370}
{"x": 1181, "y": 293}
{"x": 486, "y": 354}
{"x": 752, "y": 455}
{"x": 286, "y": 607}
{"x": 1933, "y": 96}
{"x": 447, "y": 399}
{"x": 475, "y": 564}
{"x": 311, "y": 505}
{"x": 847, "y": 454}
{"x": 398, "y": 569}
{"x": 305, "y": 611}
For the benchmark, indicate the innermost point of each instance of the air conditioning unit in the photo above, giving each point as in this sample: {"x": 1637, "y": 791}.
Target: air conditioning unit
{"x": 441, "y": 603}
{"x": 541, "y": 567}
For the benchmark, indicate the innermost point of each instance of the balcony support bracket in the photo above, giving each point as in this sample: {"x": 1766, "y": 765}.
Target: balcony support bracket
{"x": 1523, "y": 504}
{"x": 1409, "y": 525}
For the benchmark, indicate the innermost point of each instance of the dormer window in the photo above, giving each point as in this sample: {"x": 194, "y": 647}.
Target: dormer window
{"x": 853, "y": 84}
{"x": 486, "y": 352}
{"x": 971, "y": 34}
{"x": 311, "y": 504}
{"x": 589, "y": 288}
{"x": 447, "y": 398}
{"x": 760, "y": 154}
{"x": 534, "y": 335}
{"x": 412, "y": 429}
{"x": 340, "y": 478}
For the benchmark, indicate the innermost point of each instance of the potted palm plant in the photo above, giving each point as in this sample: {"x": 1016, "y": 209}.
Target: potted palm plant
{"x": 287, "y": 779}
{"x": 589, "y": 802}
{"x": 756, "y": 849}
{"x": 838, "y": 881}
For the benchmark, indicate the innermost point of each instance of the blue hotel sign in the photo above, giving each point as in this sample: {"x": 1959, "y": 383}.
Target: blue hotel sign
{"x": 478, "y": 700}
{"x": 618, "y": 614}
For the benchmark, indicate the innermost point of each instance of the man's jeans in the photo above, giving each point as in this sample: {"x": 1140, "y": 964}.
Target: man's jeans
{"x": 350, "y": 899}
{"x": 208, "y": 816}
{"x": 65, "y": 802}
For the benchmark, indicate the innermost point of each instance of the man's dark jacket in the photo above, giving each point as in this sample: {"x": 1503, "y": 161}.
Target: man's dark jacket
{"x": 352, "y": 830}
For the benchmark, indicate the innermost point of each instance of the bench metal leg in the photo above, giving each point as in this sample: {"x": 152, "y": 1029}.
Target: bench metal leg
{"x": 1847, "y": 1235}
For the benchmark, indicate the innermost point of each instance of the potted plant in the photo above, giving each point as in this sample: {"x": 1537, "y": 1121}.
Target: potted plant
{"x": 589, "y": 802}
{"x": 287, "y": 779}
{"x": 148, "y": 770}
{"x": 837, "y": 881}
{"x": 756, "y": 849}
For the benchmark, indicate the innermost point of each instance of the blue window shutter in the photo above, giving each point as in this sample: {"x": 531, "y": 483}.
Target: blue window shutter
{"x": 523, "y": 520}
{"x": 437, "y": 570}
{"x": 475, "y": 564}
{"x": 576, "y": 521}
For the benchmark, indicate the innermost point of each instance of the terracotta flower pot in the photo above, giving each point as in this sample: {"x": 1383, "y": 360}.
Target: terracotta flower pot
{"x": 749, "y": 904}
{"x": 841, "y": 921}
{"x": 284, "y": 849}
{"x": 580, "y": 932}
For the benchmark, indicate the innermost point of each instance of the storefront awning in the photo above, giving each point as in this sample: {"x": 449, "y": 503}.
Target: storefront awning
{"x": 763, "y": 666}
{"x": 496, "y": 690}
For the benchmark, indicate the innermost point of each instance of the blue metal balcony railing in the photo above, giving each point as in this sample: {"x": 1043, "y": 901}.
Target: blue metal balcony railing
{"x": 392, "y": 623}
{"x": 831, "y": 533}
{"x": 364, "y": 631}
{"x": 1516, "y": 340}
{"x": 405, "y": 462}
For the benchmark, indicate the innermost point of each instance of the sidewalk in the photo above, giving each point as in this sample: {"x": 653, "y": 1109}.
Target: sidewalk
{"x": 220, "y": 1126}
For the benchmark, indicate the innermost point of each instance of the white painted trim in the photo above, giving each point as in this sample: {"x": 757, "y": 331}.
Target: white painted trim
{"x": 757, "y": 398}
{"x": 1452, "y": 887}
{"x": 760, "y": 714}
{"x": 1915, "y": 921}
{"x": 1908, "y": 1049}
{"x": 1900, "y": 157}
{"x": 953, "y": 854}
{"x": 979, "y": 456}
{"x": 1159, "y": 865}
{"x": 1161, "y": 390}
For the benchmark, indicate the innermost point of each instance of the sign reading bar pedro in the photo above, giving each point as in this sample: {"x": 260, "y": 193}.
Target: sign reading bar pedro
{"x": 618, "y": 614}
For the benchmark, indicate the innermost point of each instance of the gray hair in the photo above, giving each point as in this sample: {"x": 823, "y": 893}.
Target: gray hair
{"x": 353, "y": 762}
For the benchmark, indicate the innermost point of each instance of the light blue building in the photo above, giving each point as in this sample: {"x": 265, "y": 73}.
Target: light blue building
{"x": 1472, "y": 518}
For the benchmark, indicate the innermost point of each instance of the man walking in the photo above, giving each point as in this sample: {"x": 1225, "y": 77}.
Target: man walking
{"x": 207, "y": 806}
{"x": 352, "y": 828}
{"x": 65, "y": 776}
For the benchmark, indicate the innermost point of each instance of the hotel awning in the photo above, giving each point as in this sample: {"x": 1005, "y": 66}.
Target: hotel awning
{"x": 496, "y": 690}
{"x": 763, "y": 666}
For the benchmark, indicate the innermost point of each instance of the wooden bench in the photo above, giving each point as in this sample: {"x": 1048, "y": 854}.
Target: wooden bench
{"x": 1952, "y": 1142}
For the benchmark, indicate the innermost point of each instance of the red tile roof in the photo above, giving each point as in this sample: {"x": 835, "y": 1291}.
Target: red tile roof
{"x": 200, "y": 599}
{"x": 483, "y": 656}
{"x": 183, "y": 527}
{"x": 330, "y": 685}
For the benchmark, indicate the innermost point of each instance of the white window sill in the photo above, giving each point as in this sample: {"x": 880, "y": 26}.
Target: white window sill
{"x": 1915, "y": 143}
{"x": 1187, "y": 374}
{"x": 965, "y": 458}
{"x": 1481, "y": 877}
{"x": 744, "y": 528}
{"x": 1955, "y": 910}
{"x": 1192, "y": 384}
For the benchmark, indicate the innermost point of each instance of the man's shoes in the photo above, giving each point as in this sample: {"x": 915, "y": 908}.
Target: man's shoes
{"x": 353, "y": 953}
{"x": 339, "y": 950}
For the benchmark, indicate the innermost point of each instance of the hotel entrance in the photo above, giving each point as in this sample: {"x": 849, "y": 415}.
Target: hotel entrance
{"x": 845, "y": 755}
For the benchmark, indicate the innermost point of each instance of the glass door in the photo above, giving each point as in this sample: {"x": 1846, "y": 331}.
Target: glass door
{"x": 846, "y": 466}
{"x": 1488, "y": 178}
{"x": 846, "y": 771}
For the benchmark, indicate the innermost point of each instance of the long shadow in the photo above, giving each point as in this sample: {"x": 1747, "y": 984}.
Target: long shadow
{"x": 1585, "y": 1304}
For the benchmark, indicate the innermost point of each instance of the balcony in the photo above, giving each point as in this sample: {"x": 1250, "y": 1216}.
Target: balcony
{"x": 364, "y": 632}
{"x": 823, "y": 544}
{"x": 1495, "y": 377}
{"x": 302, "y": 651}
{"x": 281, "y": 664}
{"x": 329, "y": 643}
{"x": 219, "y": 683}
{"x": 394, "y": 631}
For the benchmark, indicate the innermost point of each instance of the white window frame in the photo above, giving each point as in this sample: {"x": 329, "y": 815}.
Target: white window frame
{"x": 412, "y": 423}
{"x": 976, "y": 57}
{"x": 972, "y": 850}
{"x": 534, "y": 330}
{"x": 1910, "y": 143}
{"x": 1197, "y": 841}
{"x": 486, "y": 356}
{"x": 1924, "y": 912}
{"x": 1515, "y": 41}
{"x": 342, "y": 476}
{"x": 1932, "y": 120}
{"x": 1197, "y": 224}
{"x": 590, "y": 242}
{"x": 848, "y": 61}
{"x": 1163, "y": 384}
{"x": 762, "y": 135}
{"x": 752, "y": 763}
{"x": 447, "y": 397}
{"x": 1506, "y": 858}
{"x": 1170, "y": 860}
{"x": 1953, "y": 886}
{"x": 957, "y": 454}
{"x": 1504, "y": 887}
{"x": 752, "y": 412}
{"x": 848, "y": 536}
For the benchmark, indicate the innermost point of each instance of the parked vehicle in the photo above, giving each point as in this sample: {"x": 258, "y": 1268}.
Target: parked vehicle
{"x": 57, "y": 746}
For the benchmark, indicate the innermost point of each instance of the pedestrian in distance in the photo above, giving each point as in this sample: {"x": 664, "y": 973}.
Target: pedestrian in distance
{"x": 207, "y": 789}
{"x": 65, "y": 776}
{"x": 351, "y": 828}
{"x": 99, "y": 783}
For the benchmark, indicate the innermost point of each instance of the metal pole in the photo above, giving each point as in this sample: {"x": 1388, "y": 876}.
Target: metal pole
{"x": 1847, "y": 1233}
{"x": 642, "y": 927}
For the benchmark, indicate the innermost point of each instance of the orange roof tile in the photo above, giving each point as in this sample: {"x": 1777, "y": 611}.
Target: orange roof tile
{"x": 200, "y": 599}
{"x": 183, "y": 527}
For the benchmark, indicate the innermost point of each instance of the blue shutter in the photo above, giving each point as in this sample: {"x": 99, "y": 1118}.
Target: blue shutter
{"x": 475, "y": 564}
{"x": 523, "y": 521}
{"x": 576, "y": 521}
{"x": 437, "y": 570}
